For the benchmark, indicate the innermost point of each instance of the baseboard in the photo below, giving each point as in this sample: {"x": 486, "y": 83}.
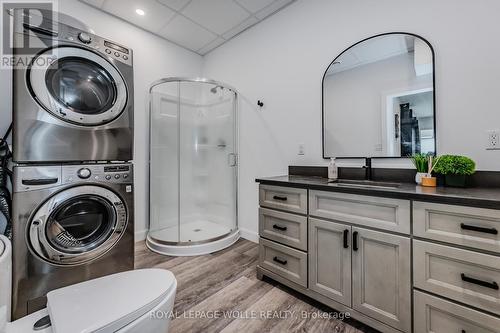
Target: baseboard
{"x": 141, "y": 235}
{"x": 249, "y": 235}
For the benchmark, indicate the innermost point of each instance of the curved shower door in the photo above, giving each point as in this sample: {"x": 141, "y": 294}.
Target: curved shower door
{"x": 207, "y": 164}
{"x": 193, "y": 162}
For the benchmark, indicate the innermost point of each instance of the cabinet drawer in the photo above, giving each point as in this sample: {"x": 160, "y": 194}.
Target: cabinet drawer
{"x": 383, "y": 213}
{"x": 286, "y": 198}
{"x": 284, "y": 261}
{"x": 284, "y": 228}
{"x": 435, "y": 315}
{"x": 465, "y": 276}
{"x": 467, "y": 226}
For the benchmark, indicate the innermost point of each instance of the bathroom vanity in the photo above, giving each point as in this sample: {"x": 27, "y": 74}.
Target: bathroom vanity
{"x": 397, "y": 257}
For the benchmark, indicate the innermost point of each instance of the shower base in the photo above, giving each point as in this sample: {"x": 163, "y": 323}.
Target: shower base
{"x": 197, "y": 238}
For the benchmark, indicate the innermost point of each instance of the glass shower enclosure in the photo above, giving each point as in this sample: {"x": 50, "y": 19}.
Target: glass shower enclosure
{"x": 193, "y": 166}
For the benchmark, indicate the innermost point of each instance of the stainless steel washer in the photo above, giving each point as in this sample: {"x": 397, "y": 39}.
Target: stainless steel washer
{"x": 73, "y": 94}
{"x": 71, "y": 223}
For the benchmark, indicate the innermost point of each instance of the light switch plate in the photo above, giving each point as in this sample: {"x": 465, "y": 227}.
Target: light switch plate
{"x": 493, "y": 140}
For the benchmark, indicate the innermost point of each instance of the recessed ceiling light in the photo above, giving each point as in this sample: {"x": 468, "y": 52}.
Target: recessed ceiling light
{"x": 140, "y": 12}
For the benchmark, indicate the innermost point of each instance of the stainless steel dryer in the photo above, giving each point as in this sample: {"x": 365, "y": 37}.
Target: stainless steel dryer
{"x": 72, "y": 94}
{"x": 70, "y": 224}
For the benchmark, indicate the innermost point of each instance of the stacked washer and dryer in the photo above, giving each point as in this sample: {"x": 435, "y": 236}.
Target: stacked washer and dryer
{"x": 72, "y": 148}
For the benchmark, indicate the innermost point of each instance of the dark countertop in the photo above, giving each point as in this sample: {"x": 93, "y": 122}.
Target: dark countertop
{"x": 475, "y": 196}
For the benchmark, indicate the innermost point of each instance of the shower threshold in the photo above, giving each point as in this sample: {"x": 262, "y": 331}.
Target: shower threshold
{"x": 197, "y": 238}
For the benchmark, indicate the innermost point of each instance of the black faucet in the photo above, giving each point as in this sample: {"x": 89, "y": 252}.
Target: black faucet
{"x": 368, "y": 168}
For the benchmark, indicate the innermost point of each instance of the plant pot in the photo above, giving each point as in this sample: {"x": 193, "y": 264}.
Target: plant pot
{"x": 456, "y": 180}
{"x": 429, "y": 181}
{"x": 419, "y": 176}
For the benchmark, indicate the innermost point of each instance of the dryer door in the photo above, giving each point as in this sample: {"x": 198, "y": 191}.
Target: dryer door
{"x": 77, "y": 225}
{"x": 77, "y": 86}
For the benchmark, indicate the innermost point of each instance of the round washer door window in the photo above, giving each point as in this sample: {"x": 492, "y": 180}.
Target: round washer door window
{"x": 77, "y": 225}
{"x": 81, "y": 85}
{"x": 78, "y": 86}
{"x": 80, "y": 224}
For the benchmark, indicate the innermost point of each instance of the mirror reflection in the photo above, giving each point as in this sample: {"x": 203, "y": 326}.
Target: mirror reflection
{"x": 378, "y": 99}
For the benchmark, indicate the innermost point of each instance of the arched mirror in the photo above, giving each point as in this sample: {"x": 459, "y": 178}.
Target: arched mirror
{"x": 379, "y": 99}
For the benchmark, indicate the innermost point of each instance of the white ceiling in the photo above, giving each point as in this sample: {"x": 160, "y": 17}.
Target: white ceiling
{"x": 198, "y": 25}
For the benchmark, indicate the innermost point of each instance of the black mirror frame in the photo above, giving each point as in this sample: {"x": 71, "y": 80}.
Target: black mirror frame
{"x": 323, "y": 95}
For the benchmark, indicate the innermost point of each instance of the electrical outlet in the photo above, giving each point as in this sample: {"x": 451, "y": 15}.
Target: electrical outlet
{"x": 493, "y": 140}
{"x": 302, "y": 149}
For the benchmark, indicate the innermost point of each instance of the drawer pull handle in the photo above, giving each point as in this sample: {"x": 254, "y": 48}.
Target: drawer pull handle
{"x": 492, "y": 231}
{"x": 355, "y": 241}
{"x": 280, "y": 261}
{"x": 491, "y": 285}
{"x": 277, "y": 197}
{"x": 277, "y": 227}
{"x": 346, "y": 242}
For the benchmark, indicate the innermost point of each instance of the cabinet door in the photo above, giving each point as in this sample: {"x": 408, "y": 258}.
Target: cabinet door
{"x": 330, "y": 260}
{"x": 381, "y": 282}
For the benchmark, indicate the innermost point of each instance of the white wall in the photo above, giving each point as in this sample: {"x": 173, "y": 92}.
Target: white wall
{"x": 282, "y": 61}
{"x": 154, "y": 58}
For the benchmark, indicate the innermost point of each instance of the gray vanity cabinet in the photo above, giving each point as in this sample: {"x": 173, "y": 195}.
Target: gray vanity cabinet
{"x": 330, "y": 260}
{"x": 381, "y": 277}
{"x": 373, "y": 255}
{"x": 321, "y": 244}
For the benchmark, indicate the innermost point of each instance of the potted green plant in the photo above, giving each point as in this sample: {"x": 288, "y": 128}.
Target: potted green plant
{"x": 421, "y": 163}
{"x": 456, "y": 169}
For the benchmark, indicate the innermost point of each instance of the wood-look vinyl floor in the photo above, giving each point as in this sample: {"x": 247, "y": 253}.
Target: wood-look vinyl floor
{"x": 220, "y": 292}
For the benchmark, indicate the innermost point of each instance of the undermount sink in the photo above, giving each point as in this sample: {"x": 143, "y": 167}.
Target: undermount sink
{"x": 365, "y": 183}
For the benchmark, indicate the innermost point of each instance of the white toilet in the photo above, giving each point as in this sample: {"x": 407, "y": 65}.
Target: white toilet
{"x": 133, "y": 301}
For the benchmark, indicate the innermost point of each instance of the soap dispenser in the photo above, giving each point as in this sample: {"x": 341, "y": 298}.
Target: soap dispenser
{"x": 333, "y": 171}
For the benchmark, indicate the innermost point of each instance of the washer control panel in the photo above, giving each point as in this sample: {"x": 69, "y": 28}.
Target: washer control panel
{"x": 100, "y": 173}
{"x": 108, "y": 48}
{"x": 33, "y": 178}
{"x": 57, "y": 32}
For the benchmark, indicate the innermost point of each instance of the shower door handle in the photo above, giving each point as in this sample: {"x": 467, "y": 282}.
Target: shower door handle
{"x": 232, "y": 160}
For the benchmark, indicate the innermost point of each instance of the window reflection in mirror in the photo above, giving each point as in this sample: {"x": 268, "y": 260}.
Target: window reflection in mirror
{"x": 378, "y": 99}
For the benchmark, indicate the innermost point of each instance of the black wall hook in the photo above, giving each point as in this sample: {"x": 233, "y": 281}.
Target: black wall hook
{"x": 260, "y": 103}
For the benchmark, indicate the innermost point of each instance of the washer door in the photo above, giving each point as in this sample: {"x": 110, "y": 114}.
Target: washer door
{"x": 77, "y": 225}
{"x": 78, "y": 86}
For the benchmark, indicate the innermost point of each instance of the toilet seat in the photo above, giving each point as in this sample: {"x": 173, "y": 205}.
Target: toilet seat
{"x": 109, "y": 303}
